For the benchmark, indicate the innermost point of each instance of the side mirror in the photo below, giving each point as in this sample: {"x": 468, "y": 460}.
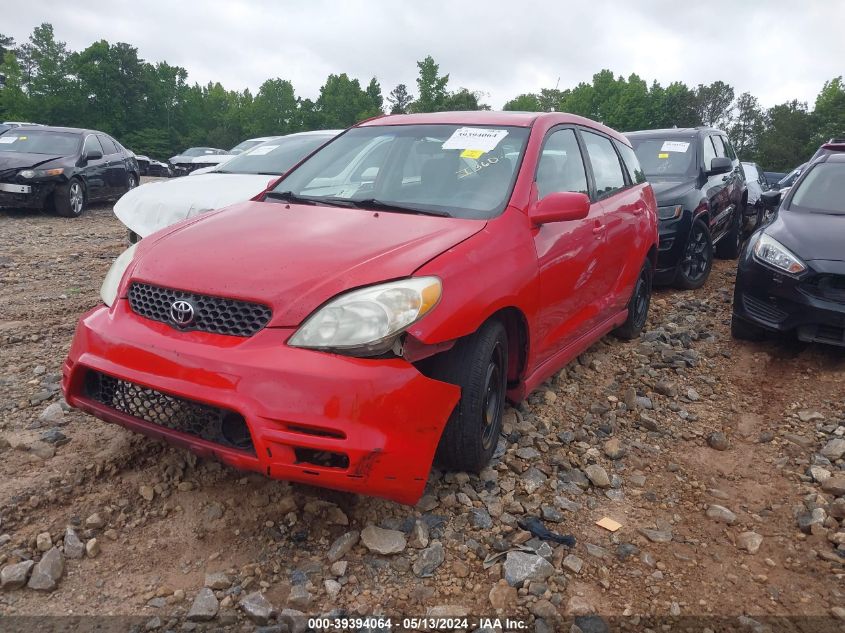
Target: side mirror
{"x": 94, "y": 154}
{"x": 771, "y": 199}
{"x": 720, "y": 165}
{"x": 561, "y": 206}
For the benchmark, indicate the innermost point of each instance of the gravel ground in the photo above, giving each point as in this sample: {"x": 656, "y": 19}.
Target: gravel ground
{"x": 722, "y": 461}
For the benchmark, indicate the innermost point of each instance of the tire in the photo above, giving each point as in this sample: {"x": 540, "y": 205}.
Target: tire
{"x": 697, "y": 260}
{"x": 637, "y": 306}
{"x": 69, "y": 199}
{"x": 133, "y": 180}
{"x": 478, "y": 364}
{"x": 744, "y": 331}
{"x": 730, "y": 246}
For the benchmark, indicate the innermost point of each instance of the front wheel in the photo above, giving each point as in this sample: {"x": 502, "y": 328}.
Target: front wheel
{"x": 478, "y": 364}
{"x": 69, "y": 199}
{"x": 637, "y": 306}
{"x": 697, "y": 259}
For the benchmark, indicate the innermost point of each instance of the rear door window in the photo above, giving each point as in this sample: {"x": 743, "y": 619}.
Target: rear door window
{"x": 607, "y": 169}
{"x": 107, "y": 143}
{"x": 561, "y": 166}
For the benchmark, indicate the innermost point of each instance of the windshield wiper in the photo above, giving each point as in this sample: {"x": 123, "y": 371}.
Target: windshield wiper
{"x": 379, "y": 205}
{"x": 289, "y": 196}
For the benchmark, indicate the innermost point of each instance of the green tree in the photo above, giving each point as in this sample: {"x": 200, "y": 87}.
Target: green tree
{"x": 13, "y": 101}
{"x": 829, "y": 112}
{"x": 785, "y": 142}
{"x": 747, "y": 125}
{"x": 713, "y": 103}
{"x": 432, "y": 87}
{"x": 528, "y": 102}
{"x": 464, "y": 99}
{"x": 374, "y": 92}
{"x": 342, "y": 102}
{"x": 274, "y": 110}
{"x": 400, "y": 99}
{"x": 45, "y": 74}
{"x": 7, "y": 45}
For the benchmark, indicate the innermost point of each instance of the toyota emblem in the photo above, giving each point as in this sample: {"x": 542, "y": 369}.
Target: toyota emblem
{"x": 182, "y": 313}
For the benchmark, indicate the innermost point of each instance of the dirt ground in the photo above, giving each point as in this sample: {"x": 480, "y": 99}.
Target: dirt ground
{"x": 641, "y": 411}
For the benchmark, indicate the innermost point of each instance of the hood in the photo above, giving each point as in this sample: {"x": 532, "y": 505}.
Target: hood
{"x": 212, "y": 159}
{"x": 670, "y": 191}
{"x": 811, "y": 236}
{"x": 15, "y": 160}
{"x": 155, "y": 205}
{"x": 294, "y": 258}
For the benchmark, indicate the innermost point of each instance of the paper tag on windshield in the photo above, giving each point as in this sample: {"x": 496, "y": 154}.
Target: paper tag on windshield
{"x": 6, "y": 140}
{"x": 472, "y": 153}
{"x": 474, "y": 138}
{"x": 674, "y": 146}
{"x": 261, "y": 151}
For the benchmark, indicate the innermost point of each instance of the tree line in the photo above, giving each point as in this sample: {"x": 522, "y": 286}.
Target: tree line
{"x": 153, "y": 109}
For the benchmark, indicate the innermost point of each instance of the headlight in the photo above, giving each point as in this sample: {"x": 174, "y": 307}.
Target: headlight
{"x": 108, "y": 291}
{"x": 40, "y": 173}
{"x": 366, "y": 322}
{"x": 670, "y": 213}
{"x": 769, "y": 251}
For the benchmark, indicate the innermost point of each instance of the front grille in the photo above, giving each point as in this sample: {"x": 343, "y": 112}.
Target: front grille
{"x": 211, "y": 423}
{"x": 217, "y": 315}
{"x": 829, "y": 334}
{"x": 829, "y": 287}
{"x": 762, "y": 310}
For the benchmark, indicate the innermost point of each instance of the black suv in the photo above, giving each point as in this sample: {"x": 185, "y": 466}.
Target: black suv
{"x": 62, "y": 168}
{"x": 702, "y": 199}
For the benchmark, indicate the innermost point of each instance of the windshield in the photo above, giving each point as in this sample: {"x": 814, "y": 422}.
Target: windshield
{"x": 198, "y": 151}
{"x": 457, "y": 170}
{"x": 822, "y": 190}
{"x": 274, "y": 158}
{"x": 245, "y": 145}
{"x": 40, "y": 142}
{"x": 665, "y": 157}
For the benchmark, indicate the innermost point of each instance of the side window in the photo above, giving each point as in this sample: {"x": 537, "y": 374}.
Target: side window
{"x": 709, "y": 152}
{"x": 720, "y": 146}
{"x": 92, "y": 144}
{"x": 631, "y": 162}
{"x": 107, "y": 143}
{"x": 561, "y": 166}
{"x": 729, "y": 148}
{"x": 606, "y": 168}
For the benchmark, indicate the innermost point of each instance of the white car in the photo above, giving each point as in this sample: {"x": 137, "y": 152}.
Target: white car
{"x": 207, "y": 161}
{"x": 156, "y": 205}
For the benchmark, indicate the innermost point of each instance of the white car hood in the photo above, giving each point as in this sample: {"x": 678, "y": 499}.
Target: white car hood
{"x": 156, "y": 205}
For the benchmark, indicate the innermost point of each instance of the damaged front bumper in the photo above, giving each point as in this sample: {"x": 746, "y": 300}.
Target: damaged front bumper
{"x": 26, "y": 195}
{"x": 368, "y": 426}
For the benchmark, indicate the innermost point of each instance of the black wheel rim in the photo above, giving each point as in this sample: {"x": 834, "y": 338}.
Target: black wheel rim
{"x": 642, "y": 298}
{"x": 696, "y": 255}
{"x": 494, "y": 397}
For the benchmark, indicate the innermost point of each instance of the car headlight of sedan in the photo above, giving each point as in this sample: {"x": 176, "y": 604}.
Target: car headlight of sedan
{"x": 670, "y": 213}
{"x": 769, "y": 251}
{"x": 108, "y": 291}
{"x": 30, "y": 174}
{"x": 367, "y": 322}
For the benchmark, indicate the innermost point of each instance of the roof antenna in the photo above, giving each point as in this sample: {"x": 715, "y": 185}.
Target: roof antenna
{"x": 556, "y": 87}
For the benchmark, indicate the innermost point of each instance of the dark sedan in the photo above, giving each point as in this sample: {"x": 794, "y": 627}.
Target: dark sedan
{"x": 62, "y": 169}
{"x": 791, "y": 277}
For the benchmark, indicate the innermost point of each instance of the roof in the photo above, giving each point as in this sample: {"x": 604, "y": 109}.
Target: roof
{"x": 51, "y": 128}
{"x": 836, "y": 158}
{"x": 673, "y": 131}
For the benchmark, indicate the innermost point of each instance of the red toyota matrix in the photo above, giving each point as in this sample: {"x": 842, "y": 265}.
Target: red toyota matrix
{"x": 373, "y": 310}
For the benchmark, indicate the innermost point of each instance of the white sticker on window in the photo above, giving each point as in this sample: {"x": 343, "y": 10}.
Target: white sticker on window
{"x": 6, "y": 140}
{"x": 474, "y": 138}
{"x": 674, "y": 146}
{"x": 262, "y": 150}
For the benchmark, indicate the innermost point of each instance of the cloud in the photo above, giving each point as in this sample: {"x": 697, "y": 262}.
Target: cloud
{"x": 776, "y": 50}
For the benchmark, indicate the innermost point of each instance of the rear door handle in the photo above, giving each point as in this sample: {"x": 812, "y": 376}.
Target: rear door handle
{"x": 638, "y": 211}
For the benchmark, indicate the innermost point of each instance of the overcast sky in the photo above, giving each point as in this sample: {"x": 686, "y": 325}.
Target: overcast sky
{"x": 776, "y": 49}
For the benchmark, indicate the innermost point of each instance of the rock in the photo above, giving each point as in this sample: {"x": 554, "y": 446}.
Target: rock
{"x": 544, "y": 609}
{"x": 383, "y": 541}
{"x": 427, "y": 503}
{"x": 666, "y": 388}
{"x": 578, "y": 605}
{"x": 721, "y": 514}
{"x": 53, "y": 414}
{"x": 15, "y": 576}
{"x": 429, "y": 559}
{"x": 295, "y": 621}
{"x": 521, "y": 567}
{"x": 204, "y": 607}
{"x": 299, "y": 598}
{"x": 835, "y": 484}
{"x": 834, "y": 449}
{"x": 573, "y": 563}
{"x": 532, "y": 479}
{"x": 47, "y": 572}
{"x": 43, "y": 542}
{"x": 332, "y": 587}
{"x": 92, "y": 548}
{"x": 613, "y": 448}
{"x": 718, "y": 441}
{"x": 257, "y": 608}
{"x": 55, "y": 437}
{"x": 342, "y": 545}
{"x": 806, "y": 415}
{"x": 657, "y": 536}
{"x": 147, "y": 493}
{"x": 502, "y": 596}
{"x": 625, "y": 550}
{"x": 218, "y": 580}
{"x": 818, "y": 473}
{"x": 597, "y": 476}
{"x": 95, "y": 521}
{"x": 749, "y": 541}
{"x": 481, "y": 518}
{"x": 338, "y": 569}
{"x": 74, "y": 548}
{"x": 589, "y": 624}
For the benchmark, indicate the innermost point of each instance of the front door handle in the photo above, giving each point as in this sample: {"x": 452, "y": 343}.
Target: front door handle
{"x": 638, "y": 211}
{"x": 598, "y": 229}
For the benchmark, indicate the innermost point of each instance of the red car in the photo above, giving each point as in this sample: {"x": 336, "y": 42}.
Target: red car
{"x": 379, "y": 303}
